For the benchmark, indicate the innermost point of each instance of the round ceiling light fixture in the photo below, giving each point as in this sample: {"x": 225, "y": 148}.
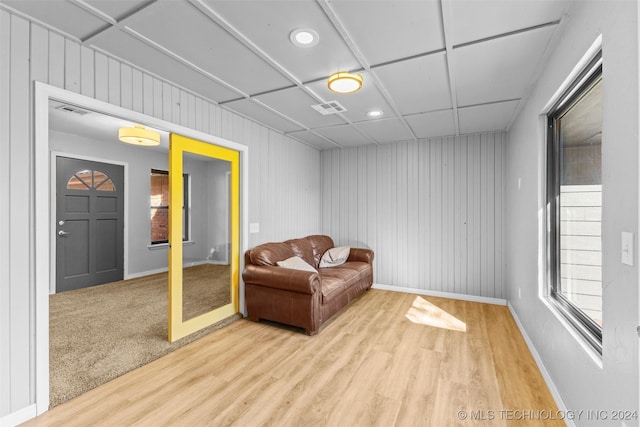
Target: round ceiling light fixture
{"x": 139, "y": 135}
{"x": 374, "y": 113}
{"x": 344, "y": 82}
{"x": 304, "y": 37}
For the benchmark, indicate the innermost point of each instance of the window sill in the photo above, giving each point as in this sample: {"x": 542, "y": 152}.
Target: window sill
{"x": 555, "y": 309}
{"x": 157, "y": 246}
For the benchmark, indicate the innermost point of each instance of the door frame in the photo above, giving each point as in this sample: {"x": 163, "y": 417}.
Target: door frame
{"x": 53, "y": 202}
{"x": 41, "y": 210}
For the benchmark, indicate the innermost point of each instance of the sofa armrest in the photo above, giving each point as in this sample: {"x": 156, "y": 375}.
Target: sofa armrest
{"x": 286, "y": 279}
{"x": 361, "y": 254}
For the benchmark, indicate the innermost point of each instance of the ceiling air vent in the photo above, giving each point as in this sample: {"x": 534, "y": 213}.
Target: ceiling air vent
{"x": 72, "y": 109}
{"x": 331, "y": 107}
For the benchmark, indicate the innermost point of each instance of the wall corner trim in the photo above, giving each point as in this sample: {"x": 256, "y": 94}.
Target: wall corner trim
{"x": 543, "y": 370}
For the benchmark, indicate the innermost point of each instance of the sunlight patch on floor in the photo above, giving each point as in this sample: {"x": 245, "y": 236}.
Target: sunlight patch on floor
{"x": 423, "y": 312}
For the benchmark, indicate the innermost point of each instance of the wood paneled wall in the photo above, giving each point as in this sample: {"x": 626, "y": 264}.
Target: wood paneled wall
{"x": 284, "y": 186}
{"x": 430, "y": 209}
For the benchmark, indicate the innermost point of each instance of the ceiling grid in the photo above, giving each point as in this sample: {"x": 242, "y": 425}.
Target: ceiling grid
{"x": 433, "y": 67}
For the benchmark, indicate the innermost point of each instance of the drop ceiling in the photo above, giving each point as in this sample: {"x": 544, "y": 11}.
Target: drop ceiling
{"x": 434, "y": 67}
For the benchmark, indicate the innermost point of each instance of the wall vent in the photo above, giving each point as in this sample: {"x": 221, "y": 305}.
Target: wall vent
{"x": 71, "y": 109}
{"x": 331, "y": 107}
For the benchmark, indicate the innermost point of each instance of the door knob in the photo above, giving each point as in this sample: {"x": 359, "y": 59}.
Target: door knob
{"x": 63, "y": 233}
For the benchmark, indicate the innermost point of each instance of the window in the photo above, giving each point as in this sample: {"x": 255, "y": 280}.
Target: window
{"x": 574, "y": 200}
{"x": 87, "y": 179}
{"x": 159, "y": 202}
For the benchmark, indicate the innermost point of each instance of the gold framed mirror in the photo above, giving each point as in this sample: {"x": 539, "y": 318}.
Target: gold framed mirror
{"x": 204, "y": 234}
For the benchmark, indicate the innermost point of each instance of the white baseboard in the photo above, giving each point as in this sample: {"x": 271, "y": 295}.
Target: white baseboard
{"x": 146, "y": 273}
{"x": 18, "y": 417}
{"x": 543, "y": 369}
{"x": 451, "y": 295}
{"x": 187, "y": 263}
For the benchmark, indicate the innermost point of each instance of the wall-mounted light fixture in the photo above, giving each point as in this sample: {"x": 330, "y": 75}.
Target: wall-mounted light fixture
{"x": 138, "y": 135}
{"x": 344, "y": 82}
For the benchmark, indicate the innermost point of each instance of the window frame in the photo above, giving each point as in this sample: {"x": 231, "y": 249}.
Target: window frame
{"x": 587, "y": 327}
{"x": 185, "y": 207}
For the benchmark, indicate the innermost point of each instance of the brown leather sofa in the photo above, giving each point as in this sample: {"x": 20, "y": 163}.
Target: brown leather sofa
{"x": 302, "y": 298}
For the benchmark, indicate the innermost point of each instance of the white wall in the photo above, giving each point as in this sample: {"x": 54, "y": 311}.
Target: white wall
{"x": 578, "y": 378}
{"x": 284, "y": 188}
{"x": 431, "y": 210}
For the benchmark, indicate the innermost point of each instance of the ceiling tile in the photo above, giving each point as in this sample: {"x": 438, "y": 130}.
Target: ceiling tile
{"x": 312, "y": 139}
{"x": 185, "y": 31}
{"x": 269, "y": 24}
{"x": 478, "y": 19}
{"x": 357, "y": 104}
{"x": 390, "y": 29}
{"x": 437, "y": 123}
{"x": 295, "y": 103}
{"x": 144, "y": 56}
{"x": 61, "y": 15}
{"x": 344, "y": 135}
{"x": 386, "y": 130}
{"x": 498, "y": 69}
{"x": 417, "y": 85}
{"x": 486, "y": 118}
{"x": 262, "y": 115}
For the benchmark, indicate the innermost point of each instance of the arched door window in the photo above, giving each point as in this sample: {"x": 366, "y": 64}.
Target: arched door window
{"x": 87, "y": 179}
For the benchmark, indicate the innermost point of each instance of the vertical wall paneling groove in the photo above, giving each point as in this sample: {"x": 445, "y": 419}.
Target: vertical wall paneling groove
{"x": 157, "y": 99}
{"x": 432, "y": 211}
{"x": 56, "y": 59}
{"x": 126, "y": 82}
{"x": 5, "y": 266}
{"x": 19, "y": 233}
{"x": 71, "y": 66}
{"x": 101, "y": 77}
{"x": 499, "y": 217}
{"x": 136, "y": 92}
{"x": 39, "y": 54}
{"x": 284, "y": 176}
{"x": 87, "y": 74}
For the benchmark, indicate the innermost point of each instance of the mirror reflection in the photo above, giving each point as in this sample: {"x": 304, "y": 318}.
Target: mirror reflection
{"x": 206, "y": 280}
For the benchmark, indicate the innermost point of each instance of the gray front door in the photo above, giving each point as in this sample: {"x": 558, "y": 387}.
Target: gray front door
{"x": 89, "y": 223}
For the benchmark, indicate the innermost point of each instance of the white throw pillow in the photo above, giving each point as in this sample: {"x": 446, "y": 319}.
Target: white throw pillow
{"x": 296, "y": 263}
{"x": 335, "y": 256}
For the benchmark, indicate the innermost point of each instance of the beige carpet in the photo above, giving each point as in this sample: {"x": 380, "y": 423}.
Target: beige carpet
{"x": 99, "y": 333}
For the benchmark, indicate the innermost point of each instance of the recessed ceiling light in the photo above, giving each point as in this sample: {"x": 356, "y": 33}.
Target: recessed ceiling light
{"x": 304, "y": 37}
{"x": 375, "y": 113}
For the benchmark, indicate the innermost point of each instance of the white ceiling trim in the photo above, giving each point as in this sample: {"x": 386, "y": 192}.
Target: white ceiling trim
{"x": 182, "y": 60}
{"x": 447, "y": 26}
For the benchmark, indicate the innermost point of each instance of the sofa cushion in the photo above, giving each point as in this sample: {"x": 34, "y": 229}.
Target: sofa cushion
{"x": 335, "y": 256}
{"x": 357, "y": 266}
{"x": 296, "y": 263}
{"x": 320, "y": 244}
{"x": 270, "y": 253}
{"x": 331, "y": 287}
{"x": 303, "y": 249}
{"x": 345, "y": 276}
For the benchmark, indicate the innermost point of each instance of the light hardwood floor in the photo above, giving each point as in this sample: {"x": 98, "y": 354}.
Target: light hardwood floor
{"x": 388, "y": 359}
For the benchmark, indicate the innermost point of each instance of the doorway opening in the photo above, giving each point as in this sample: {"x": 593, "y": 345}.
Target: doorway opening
{"x": 133, "y": 268}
